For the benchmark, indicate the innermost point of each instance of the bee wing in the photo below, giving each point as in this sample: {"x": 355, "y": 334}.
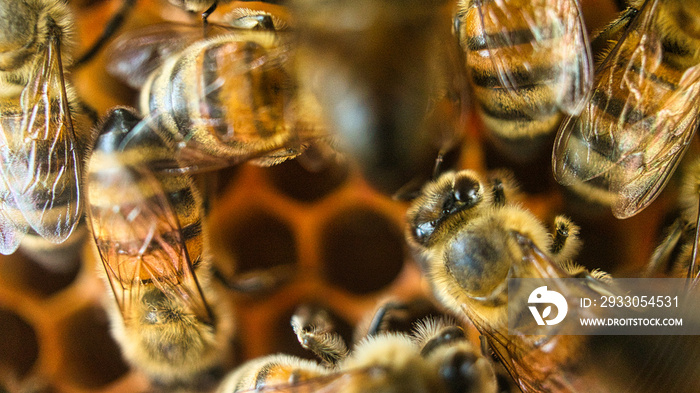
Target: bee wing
{"x": 141, "y": 239}
{"x": 38, "y": 157}
{"x": 648, "y": 168}
{"x": 638, "y": 123}
{"x": 13, "y": 225}
{"x": 133, "y": 56}
{"x": 518, "y": 353}
{"x": 542, "y": 43}
{"x": 11, "y": 234}
{"x": 502, "y": 347}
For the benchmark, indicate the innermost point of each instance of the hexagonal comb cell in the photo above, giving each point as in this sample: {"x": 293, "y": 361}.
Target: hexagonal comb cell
{"x": 258, "y": 242}
{"x": 361, "y": 250}
{"x": 84, "y": 366}
{"x": 19, "y": 347}
{"x": 294, "y": 180}
{"x": 39, "y": 279}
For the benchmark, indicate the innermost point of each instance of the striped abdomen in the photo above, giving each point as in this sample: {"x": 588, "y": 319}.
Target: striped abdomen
{"x": 229, "y": 96}
{"x": 635, "y": 127}
{"x": 138, "y": 212}
{"x": 516, "y": 73}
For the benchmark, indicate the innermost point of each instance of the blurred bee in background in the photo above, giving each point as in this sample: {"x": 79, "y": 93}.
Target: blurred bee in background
{"x": 223, "y": 100}
{"x": 45, "y": 130}
{"x": 389, "y": 80}
{"x": 471, "y": 237}
{"x": 151, "y": 238}
{"x": 529, "y": 61}
{"x": 436, "y": 357}
{"x": 623, "y": 147}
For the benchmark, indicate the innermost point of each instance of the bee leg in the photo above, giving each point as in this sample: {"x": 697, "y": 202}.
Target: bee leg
{"x": 207, "y": 12}
{"x": 565, "y": 240}
{"x": 498, "y": 191}
{"x": 114, "y": 23}
{"x": 692, "y": 266}
{"x": 379, "y": 319}
{"x": 663, "y": 257}
{"x": 613, "y": 31}
{"x": 314, "y": 332}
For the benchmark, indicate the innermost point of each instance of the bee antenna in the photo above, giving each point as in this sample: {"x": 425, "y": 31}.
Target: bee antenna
{"x": 438, "y": 164}
{"x": 205, "y": 16}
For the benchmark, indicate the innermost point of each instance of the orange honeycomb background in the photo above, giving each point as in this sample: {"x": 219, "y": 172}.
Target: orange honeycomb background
{"x": 325, "y": 238}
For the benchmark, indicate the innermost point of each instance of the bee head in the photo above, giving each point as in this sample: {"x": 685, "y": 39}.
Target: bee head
{"x": 460, "y": 367}
{"x": 445, "y": 200}
{"x": 463, "y": 371}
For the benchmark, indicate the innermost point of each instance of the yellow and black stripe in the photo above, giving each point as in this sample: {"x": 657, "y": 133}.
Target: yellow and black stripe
{"x": 116, "y": 154}
{"x": 520, "y": 118}
{"x": 623, "y": 118}
{"x": 228, "y": 96}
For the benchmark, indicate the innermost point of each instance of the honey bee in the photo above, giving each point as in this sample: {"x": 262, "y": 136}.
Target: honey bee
{"x": 471, "y": 237}
{"x": 388, "y": 79}
{"x": 44, "y": 128}
{"x": 150, "y": 236}
{"x": 437, "y": 357}
{"x": 623, "y": 147}
{"x": 223, "y": 100}
{"x": 529, "y": 62}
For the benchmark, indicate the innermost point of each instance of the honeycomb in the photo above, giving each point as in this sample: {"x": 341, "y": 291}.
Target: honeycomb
{"x": 325, "y": 238}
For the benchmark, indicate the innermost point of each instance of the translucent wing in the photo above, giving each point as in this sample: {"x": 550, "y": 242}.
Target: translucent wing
{"x": 10, "y": 233}
{"x": 538, "y": 48}
{"x": 638, "y": 123}
{"x": 133, "y": 56}
{"x": 13, "y": 227}
{"x": 228, "y": 99}
{"x": 39, "y": 158}
{"x": 540, "y": 363}
{"x": 140, "y": 239}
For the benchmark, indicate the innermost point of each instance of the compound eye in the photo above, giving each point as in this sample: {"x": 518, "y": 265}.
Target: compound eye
{"x": 466, "y": 190}
{"x": 423, "y": 231}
